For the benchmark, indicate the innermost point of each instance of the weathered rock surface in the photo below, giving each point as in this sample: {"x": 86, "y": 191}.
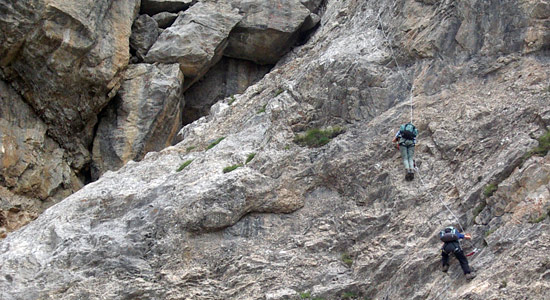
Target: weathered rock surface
{"x": 196, "y": 40}
{"x": 227, "y": 78}
{"x": 144, "y": 34}
{"x": 31, "y": 164}
{"x": 57, "y": 49}
{"x": 337, "y": 221}
{"x": 152, "y": 7}
{"x": 144, "y": 116}
{"x": 165, "y": 19}
{"x": 267, "y": 31}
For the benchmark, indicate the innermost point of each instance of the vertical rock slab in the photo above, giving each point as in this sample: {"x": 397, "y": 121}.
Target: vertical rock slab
{"x": 31, "y": 163}
{"x": 144, "y": 116}
{"x": 196, "y": 40}
{"x": 65, "y": 57}
{"x": 267, "y": 31}
{"x": 144, "y": 34}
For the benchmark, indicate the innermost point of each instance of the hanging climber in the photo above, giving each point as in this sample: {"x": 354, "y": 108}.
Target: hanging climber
{"x": 405, "y": 140}
{"x": 450, "y": 236}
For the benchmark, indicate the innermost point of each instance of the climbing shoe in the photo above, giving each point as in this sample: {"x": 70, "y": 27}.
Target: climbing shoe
{"x": 408, "y": 176}
{"x": 470, "y": 276}
{"x": 445, "y": 268}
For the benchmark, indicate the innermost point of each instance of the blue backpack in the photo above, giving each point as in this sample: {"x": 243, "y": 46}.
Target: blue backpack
{"x": 449, "y": 234}
{"x": 408, "y": 131}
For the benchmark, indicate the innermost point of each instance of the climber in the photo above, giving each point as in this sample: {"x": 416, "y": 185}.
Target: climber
{"x": 405, "y": 140}
{"x": 450, "y": 236}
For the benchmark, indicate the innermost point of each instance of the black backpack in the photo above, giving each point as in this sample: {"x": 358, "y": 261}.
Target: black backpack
{"x": 408, "y": 131}
{"x": 449, "y": 234}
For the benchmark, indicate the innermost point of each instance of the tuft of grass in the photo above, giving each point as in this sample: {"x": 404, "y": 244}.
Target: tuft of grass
{"x": 279, "y": 91}
{"x": 538, "y": 220}
{"x": 213, "y": 144}
{"x": 185, "y": 164}
{"x": 231, "y": 168}
{"x": 479, "y": 208}
{"x": 349, "y": 295}
{"x": 305, "y": 295}
{"x": 490, "y": 189}
{"x": 232, "y": 100}
{"x": 189, "y": 149}
{"x": 250, "y": 157}
{"x": 262, "y": 110}
{"x": 317, "y": 137}
{"x": 503, "y": 284}
{"x": 346, "y": 259}
{"x": 540, "y": 150}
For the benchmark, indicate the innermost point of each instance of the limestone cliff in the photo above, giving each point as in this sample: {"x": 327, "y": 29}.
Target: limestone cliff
{"x": 239, "y": 210}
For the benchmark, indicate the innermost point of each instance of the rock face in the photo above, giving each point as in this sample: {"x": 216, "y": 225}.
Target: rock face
{"x": 226, "y": 79}
{"x": 267, "y": 31}
{"x": 55, "y": 50}
{"x": 145, "y": 116}
{"x": 237, "y": 210}
{"x": 196, "y": 40}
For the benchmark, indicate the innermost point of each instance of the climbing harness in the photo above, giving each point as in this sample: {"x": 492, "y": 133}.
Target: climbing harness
{"x": 450, "y": 211}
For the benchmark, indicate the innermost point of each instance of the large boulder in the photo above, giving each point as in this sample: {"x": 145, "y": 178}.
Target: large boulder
{"x": 144, "y": 116}
{"x": 145, "y": 32}
{"x": 196, "y": 40}
{"x": 64, "y": 57}
{"x": 267, "y": 31}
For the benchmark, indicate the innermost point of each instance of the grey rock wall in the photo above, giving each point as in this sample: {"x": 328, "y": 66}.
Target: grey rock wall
{"x": 338, "y": 221}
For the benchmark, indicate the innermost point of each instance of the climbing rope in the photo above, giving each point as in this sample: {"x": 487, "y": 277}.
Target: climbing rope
{"x": 392, "y": 54}
{"x": 411, "y": 101}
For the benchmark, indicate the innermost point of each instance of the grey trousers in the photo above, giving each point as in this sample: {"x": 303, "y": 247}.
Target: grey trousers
{"x": 407, "y": 153}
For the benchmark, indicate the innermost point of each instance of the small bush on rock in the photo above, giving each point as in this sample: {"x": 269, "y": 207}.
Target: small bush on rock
{"x": 213, "y": 144}
{"x": 317, "y": 137}
{"x": 185, "y": 164}
{"x": 231, "y": 168}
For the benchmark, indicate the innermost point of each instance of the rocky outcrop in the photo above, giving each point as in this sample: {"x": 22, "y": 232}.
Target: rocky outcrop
{"x": 196, "y": 40}
{"x": 144, "y": 116}
{"x": 226, "y": 79}
{"x": 267, "y": 31}
{"x": 238, "y": 210}
{"x": 60, "y": 48}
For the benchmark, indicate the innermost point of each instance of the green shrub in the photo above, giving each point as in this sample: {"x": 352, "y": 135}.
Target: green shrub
{"x": 262, "y": 110}
{"x": 189, "y": 149}
{"x": 490, "y": 189}
{"x": 346, "y": 258}
{"x": 213, "y": 144}
{"x": 250, "y": 157}
{"x": 544, "y": 145}
{"x": 185, "y": 164}
{"x": 231, "y": 168}
{"x": 305, "y": 295}
{"x": 540, "y": 150}
{"x": 317, "y": 137}
{"x": 232, "y": 100}
{"x": 279, "y": 91}
{"x": 538, "y": 220}
{"x": 348, "y": 295}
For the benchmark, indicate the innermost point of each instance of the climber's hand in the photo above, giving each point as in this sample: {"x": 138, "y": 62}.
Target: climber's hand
{"x": 468, "y": 236}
